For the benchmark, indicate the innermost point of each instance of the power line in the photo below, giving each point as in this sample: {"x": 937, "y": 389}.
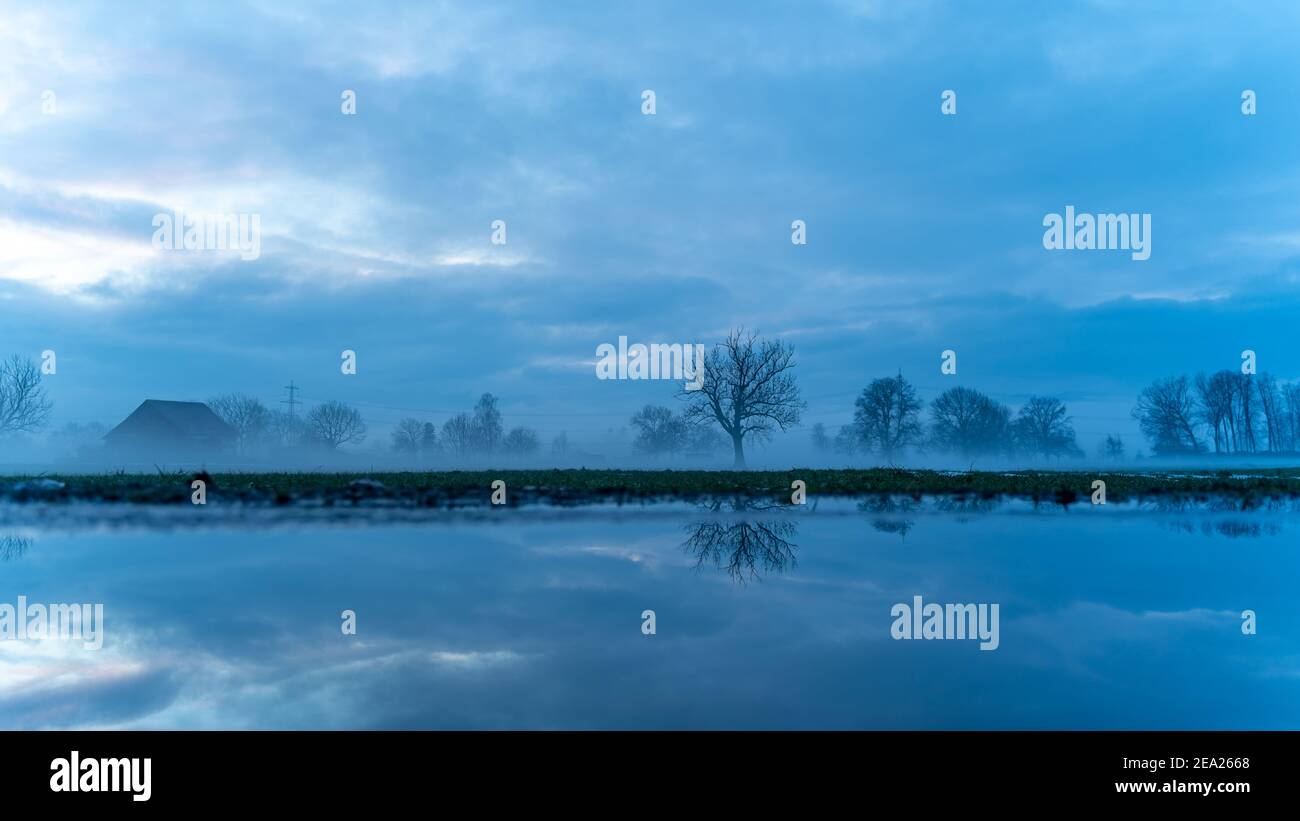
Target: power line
{"x": 291, "y": 401}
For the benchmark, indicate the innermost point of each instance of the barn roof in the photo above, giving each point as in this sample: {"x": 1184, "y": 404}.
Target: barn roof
{"x": 173, "y": 420}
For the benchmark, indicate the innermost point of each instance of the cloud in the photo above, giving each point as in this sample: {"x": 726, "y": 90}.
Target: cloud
{"x": 925, "y": 231}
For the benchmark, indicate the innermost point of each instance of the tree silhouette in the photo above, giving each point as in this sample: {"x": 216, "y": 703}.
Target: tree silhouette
{"x": 743, "y": 548}
{"x": 23, "y": 404}
{"x": 748, "y": 390}
{"x": 334, "y": 423}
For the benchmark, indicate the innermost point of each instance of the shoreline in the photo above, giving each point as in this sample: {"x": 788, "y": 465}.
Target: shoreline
{"x": 564, "y": 487}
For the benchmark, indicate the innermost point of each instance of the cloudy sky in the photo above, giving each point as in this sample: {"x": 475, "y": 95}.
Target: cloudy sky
{"x": 924, "y": 230}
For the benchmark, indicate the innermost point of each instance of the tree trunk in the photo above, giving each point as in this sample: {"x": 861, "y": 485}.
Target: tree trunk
{"x": 739, "y": 444}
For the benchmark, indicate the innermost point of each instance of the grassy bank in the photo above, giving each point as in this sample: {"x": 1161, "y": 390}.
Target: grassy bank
{"x": 460, "y": 488}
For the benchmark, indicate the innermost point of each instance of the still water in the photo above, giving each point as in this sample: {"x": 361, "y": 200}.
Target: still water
{"x": 1120, "y": 616}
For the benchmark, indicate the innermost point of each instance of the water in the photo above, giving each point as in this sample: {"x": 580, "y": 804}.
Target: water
{"x": 1110, "y": 617}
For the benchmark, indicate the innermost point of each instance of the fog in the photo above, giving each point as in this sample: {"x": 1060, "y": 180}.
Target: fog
{"x": 61, "y": 454}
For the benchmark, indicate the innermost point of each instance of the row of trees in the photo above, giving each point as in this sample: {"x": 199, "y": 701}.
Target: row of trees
{"x": 887, "y": 420}
{"x": 1234, "y": 412}
{"x": 332, "y": 424}
{"x": 661, "y": 432}
{"x": 329, "y": 424}
{"x": 480, "y": 433}
{"x": 748, "y": 392}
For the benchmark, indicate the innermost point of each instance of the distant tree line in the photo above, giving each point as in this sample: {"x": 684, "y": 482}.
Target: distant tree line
{"x": 333, "y": 424}
{"x": 1229, "y": 411}
{"x": 661, "y": 432}
{"x": 748, "y": 392}
{"x": 889, "y": 418}
{"x": 480, "y": 433}
{"x": 328, "y": 425}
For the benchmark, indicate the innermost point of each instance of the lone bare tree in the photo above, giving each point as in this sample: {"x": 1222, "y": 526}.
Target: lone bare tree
{"x": 334, "y": 423}
{"x": 748, "y": 389}
{"x": 23, "y": 404}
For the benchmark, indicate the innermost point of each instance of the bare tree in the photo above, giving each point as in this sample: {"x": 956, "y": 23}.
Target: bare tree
{"x": 820, "y": 441}
{"x": 1112, "y": 448}
{"x": 520, "y": 442}
{"x": 1292, "y": 394}
{"x": 967, "y": 421}
{"x": 1216, "y": 399}
{"x": 1270, "y": 406}
{"x": 887, "y": 418}
{"x": 246, "y": 415}
{"x": 23, "y": 404}
{"x": 1044, "y": 428}
{"x": 659, "y": 430}
{"x": 487, "y": 430}
{"x": 1166, "y": 412}
{"x": 847, "y": 441}
{"x": 1246, "y": 416}
{"x": 334, "y": 423}
{"x": 286, "y": 428}
{"x": 748, "y": 389}
{"x": 458, "y": 434}
{"x": 407, "y": 436}
{"x": 705, "y": 440}
{"x": 429, "y": 439}
{"x": 560, "y": 445}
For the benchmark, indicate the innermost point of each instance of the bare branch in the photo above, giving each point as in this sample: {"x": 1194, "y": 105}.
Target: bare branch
{"x": 24, "y": 406}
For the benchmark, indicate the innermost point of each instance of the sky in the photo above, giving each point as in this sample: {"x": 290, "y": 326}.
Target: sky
{"x": 924, "y": 230}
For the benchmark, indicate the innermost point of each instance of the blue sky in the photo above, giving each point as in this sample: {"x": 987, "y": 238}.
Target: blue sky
{"x": 924, "y": 230}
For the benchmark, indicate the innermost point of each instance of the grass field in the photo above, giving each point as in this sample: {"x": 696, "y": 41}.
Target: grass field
{"x": 459, "y": 488}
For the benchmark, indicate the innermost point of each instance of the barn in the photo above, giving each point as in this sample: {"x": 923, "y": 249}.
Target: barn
{"x": 163, "y": 428}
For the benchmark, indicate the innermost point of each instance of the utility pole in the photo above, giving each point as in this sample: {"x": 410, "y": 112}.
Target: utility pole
{"x": 291, "y": 401}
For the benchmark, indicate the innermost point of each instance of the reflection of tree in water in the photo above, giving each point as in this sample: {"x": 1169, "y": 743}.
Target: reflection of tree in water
{"x": 1178, "y": 525}
{"x": 899, "y": 526}
{"x": 963, "y": 508}
{"x": 1219, "y": 504}
{"x": 884, "y": 503}
{"x": 13, "y": 547}
{"x": 743, "y": 548}
{"x": 1236, "y": 528}
{"x": 1169, "y": 504}
{"x": 740, "y": 504}
{"x": 1230, "y": 528}
{"x": 966, "y": 505}
{"x": 897, "y": 506}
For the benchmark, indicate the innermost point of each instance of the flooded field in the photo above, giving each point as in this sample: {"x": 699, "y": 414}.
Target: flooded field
{"x": 1115, "y": 616}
